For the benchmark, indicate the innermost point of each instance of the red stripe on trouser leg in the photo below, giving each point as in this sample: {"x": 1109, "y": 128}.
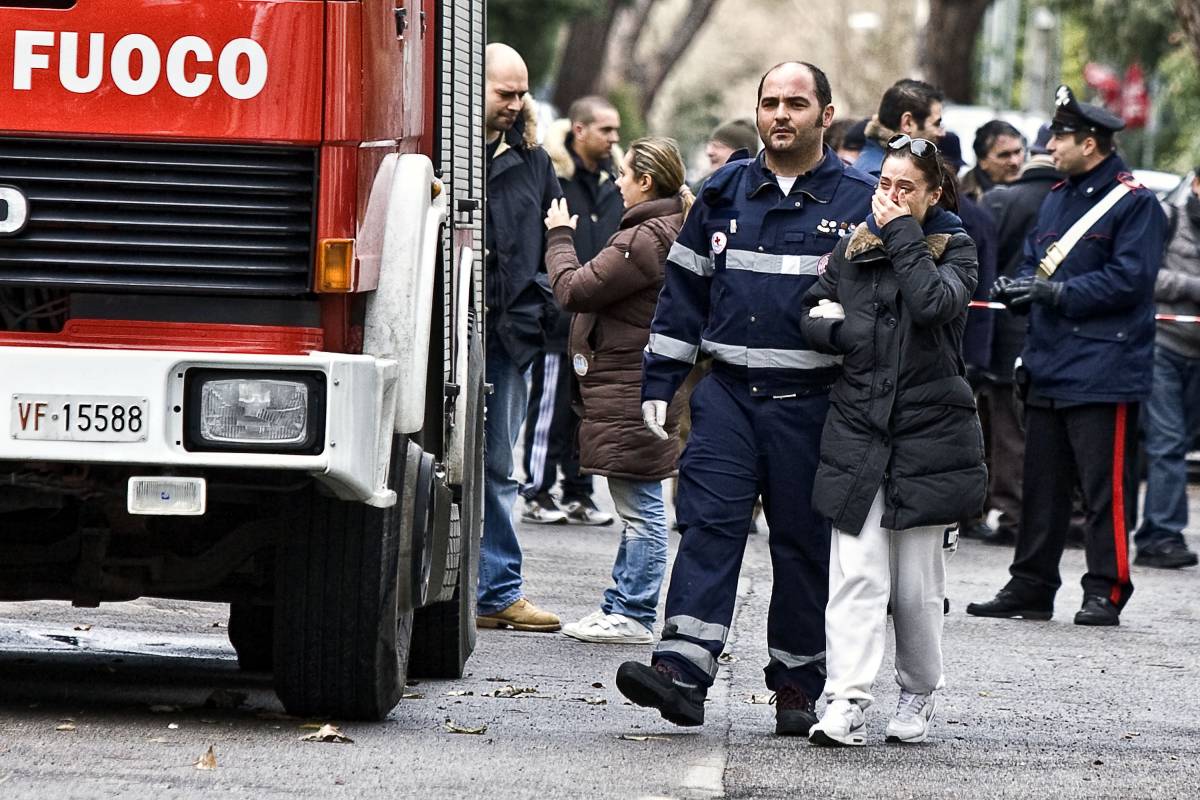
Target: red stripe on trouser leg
{"x": 1120, "y": 534}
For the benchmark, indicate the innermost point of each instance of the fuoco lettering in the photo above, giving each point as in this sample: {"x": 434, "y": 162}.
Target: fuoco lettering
{"x": 136, "y": 64}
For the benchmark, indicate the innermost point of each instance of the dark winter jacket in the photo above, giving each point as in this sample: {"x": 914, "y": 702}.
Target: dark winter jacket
{"x": 976, "y": 183}
{"x": 1177, "y": 289}
{"x": 870, "y": 160}
{"x": 520, "y": 185}
{"x": 977, "y": 338}
{"x": 593, "y": 196}
{"x": 1014, "y": 207}
{"x": 1097, "y": 344}
{"x": 613, "y": 298}
{"x": 902, "y": 416}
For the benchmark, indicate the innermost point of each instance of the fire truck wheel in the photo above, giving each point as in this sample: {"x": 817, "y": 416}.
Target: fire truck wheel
{"x": 444, "y": 633}
{"x": 251, "y": 632}
{"x": 343, "y": 628}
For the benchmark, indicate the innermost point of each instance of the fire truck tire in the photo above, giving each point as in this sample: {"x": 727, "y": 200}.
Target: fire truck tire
{"x": 251, "y": 632}
{"x": 343, "y": 627}
{"x": 444, "y": 633}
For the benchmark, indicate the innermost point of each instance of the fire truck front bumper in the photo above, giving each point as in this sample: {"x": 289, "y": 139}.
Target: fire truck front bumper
{"x": 330, "y": 415}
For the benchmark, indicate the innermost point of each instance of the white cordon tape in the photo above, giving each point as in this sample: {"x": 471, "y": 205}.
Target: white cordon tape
{"x": 1160, "y": 317}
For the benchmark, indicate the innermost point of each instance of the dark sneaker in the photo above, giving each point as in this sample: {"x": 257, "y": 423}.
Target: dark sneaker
{"x": 1097, "y": 610}
{"x": 582, "y": 511}
{"x": 978, "y": 530}
{"x": 1171, "y": 554}
{"x": 795, "y": 712}
{"x": 1008, "y": 604}
{"x": 542, "y": 510}
{"x": 663, "y": 687}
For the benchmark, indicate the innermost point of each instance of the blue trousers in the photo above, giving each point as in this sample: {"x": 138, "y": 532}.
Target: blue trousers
{"x": 1168, "y": 426}
{"x": 642, "y": 557}
{"x": 742, "y": 447}
{"x": 500, "y": 552}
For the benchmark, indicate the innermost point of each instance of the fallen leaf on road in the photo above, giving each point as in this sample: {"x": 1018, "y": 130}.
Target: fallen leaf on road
{"x": 985, "y": 694}
{"x": 174, "y": 726}
{"x": 1097, "y": 763}
{"x": 226, "y": 699}
{"x": 625, "y": 737}
{"x": 159, "y": 740}
{"x": 83, "y": 627}
{"x": 1131, "y": 734}
{"x": 412, "y": 696}
{"x": 312, "y": 726}
{"x": 759, "y": 699}
{"x": 459, "y": 693}
{"x": 511, "y": 691}
{"x": 162, "y": 709}
{"x": 454, "y": 727}
{"x": 327, "y": 733}
{"x": 498, "y": 680}
{"x": 206, "y": 761}
{"x": 727, "y": 658}
{"x": 597, "y": 685}
{"x": 66, "y": 726}
{"x": 218, "y": 624}
{"x": 591, "y": 701}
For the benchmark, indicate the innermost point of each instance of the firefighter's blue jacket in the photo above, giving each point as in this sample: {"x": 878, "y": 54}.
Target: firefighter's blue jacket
{"x": 737, "y": 273}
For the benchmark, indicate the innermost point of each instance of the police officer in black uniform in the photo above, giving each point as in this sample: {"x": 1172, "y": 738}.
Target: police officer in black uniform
{"x": 1086, "y": 367}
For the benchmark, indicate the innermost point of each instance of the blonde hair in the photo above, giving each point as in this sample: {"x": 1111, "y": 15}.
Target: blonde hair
{"x": 659, "y": 158}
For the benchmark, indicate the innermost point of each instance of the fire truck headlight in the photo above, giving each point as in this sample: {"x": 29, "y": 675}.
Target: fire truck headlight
{"x": 271, "y": 412}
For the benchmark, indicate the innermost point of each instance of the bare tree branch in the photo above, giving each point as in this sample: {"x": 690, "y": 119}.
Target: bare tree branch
{"x": 655, "y": 73}
{"x": 586, "y": 46}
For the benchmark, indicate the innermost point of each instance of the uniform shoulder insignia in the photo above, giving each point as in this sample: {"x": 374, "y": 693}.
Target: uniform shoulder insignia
{"x": 1130, "y": 181}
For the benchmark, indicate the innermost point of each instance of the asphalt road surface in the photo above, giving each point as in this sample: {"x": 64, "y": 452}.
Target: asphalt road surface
{"x": 121, "y": 701}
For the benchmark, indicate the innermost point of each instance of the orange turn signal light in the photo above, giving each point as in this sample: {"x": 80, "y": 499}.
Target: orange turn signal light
{"x": 335, "y": 265}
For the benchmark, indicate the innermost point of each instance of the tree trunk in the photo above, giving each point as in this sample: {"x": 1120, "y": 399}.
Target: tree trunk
{"x": 1188, "y": 12}
{"x": 583, "y": 55}
{"x": 949, "y": 46}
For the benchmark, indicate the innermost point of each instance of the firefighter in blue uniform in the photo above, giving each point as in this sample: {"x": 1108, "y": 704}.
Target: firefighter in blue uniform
{"x": 1087, "y": 366}
{"x": 751, "y": 247}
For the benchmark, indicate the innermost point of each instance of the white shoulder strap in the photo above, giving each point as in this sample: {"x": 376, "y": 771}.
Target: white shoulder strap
{"x": 1058, "y": 252}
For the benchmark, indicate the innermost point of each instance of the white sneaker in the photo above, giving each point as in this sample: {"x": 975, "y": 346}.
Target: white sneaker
{"x": 914, "y": 712}
{"x": 542, "y": 510}
{"x": 608, "y": 629}
{"x": 840, "y": 725}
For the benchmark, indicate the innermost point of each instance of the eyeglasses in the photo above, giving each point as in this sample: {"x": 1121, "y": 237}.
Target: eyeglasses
{"x": 921, "y": 148}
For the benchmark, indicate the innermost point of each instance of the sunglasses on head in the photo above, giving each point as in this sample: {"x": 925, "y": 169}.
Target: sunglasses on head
{"x": 921, "y": 148}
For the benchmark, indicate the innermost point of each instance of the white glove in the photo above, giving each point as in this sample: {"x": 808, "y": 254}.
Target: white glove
{"x": 654, "y": 414}
{"x": 827, "y": 309}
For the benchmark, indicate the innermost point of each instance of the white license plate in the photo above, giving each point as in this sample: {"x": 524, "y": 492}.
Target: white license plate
{"x": 79, "y": 418}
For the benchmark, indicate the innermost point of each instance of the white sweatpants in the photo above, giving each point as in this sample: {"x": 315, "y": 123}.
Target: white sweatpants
{"x": 864, "y": 572}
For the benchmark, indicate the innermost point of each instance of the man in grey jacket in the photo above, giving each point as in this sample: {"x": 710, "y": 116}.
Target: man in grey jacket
{"x": 1175, "y": 396}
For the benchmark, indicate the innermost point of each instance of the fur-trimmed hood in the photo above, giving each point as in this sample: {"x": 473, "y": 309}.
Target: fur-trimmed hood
{"x": 558, "y": 145}
{"x": 878, "y": 132}
{"x": 938, "y": 228}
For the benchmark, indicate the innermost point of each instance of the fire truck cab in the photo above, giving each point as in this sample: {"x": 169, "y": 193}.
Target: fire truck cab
{"x": 241, "y": 325}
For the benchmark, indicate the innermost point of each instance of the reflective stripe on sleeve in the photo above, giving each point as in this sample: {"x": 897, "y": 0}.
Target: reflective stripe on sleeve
{"x": 693, "y": 653}
{"x": 695, "y": 628}
{"x": 771, "y": 264}
{"x": 766, "y": 358}
{"x": 661, "y": 345}
{"x": 684, "y": 256}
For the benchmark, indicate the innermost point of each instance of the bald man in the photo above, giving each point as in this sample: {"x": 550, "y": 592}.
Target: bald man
{"x": 520, "y": 310}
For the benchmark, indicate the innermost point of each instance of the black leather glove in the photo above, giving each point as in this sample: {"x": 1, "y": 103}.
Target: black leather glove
{"x": 1036, "y": 291}
{"x": 1005, "y": 289}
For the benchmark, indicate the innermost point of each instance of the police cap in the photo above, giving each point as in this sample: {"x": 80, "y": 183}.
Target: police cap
{"x": 1070, "y": 115}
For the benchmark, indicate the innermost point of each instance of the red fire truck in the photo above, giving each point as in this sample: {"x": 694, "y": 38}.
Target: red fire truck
{"x": 240, "y": 333}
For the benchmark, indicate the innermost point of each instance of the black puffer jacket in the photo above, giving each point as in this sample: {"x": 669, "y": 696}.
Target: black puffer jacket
{"x": 901, "y": 415}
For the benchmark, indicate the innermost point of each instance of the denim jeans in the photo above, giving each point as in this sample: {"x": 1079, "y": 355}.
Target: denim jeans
{"x": 500, "y": 553}
{"x": 642, "y": 557}
{"x": 1169, "y": 414}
